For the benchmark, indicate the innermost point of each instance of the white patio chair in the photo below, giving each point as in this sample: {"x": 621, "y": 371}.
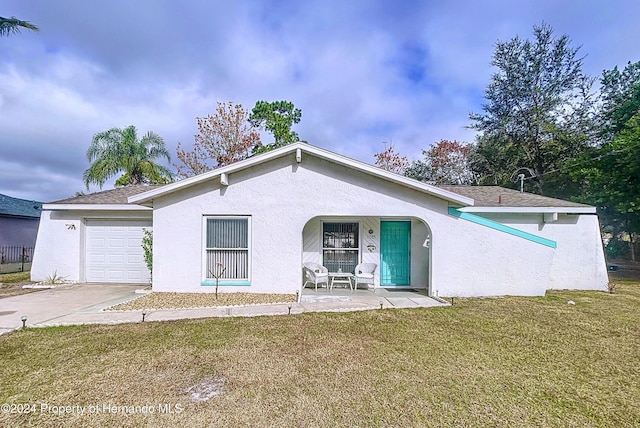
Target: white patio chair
{"x": 315, "y": 273}
{"x": 364, "y": 273}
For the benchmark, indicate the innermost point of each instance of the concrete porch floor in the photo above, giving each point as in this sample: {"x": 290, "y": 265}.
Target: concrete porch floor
{"x": 368, "y": 298}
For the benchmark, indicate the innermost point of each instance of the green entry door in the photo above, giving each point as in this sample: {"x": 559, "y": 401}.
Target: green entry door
{"x": 395, "y": 257}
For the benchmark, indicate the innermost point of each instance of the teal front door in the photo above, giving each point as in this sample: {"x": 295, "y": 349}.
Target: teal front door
{"x": 395, "y": 257}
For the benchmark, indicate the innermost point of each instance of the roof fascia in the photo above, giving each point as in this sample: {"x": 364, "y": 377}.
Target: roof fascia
{"x": 530, "y": 210}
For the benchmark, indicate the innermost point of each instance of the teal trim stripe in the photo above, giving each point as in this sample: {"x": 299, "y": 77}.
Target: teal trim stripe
{"x": 502, "y": 228}
{"x": 225, "y": 283}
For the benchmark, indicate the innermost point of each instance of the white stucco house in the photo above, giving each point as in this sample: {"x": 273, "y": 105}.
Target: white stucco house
{"x": 260, "y": 219}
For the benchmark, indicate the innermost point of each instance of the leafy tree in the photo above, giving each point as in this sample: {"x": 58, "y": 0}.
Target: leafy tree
{"x": 614, "y": 182}
{"x": 620, "y": 98}
{"x": 536, "y": 115}
{"x": 389, "y": 160}
{"x": 13, "y": 25}
{"x": 447, "y": 162}
{"x": 494, "y": 160}
{"x": 277, "y": 117}
{"x": 119, "y": 150}
{"x": 223, "y": 138}
{"x": 612, "y": 172}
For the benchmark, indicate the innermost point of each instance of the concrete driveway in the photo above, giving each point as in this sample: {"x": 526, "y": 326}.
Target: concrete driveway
{"x": 49, "y": 305}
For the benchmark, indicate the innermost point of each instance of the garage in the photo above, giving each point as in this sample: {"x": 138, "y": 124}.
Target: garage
{"x": 114, "y": 252}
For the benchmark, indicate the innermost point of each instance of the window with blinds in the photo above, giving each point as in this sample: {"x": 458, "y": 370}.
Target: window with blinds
{"x": 340, "y": 246}
{"x": 227, "y": 248}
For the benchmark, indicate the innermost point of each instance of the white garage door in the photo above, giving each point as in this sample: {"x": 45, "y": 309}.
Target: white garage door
{"x": 114, "y": 252}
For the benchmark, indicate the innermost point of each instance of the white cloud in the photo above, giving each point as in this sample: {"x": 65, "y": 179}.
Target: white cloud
{"x": 362, "y": 72}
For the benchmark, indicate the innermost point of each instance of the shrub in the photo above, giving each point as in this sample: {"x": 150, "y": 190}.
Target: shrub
{"x": 147, "y": 247}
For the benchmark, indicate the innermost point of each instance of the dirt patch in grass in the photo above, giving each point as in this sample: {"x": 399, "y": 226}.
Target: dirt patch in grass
{"x": 513, "y": 361}
{"x": 11, "y": 284}
{"x": 200, "y": 300}
{"x": 206, "y": 389}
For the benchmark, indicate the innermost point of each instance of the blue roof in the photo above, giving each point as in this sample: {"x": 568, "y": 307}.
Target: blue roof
{"x": 19, "y": 207}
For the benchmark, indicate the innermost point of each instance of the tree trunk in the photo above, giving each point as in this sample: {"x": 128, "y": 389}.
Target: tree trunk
{"x": 539, "y": 171}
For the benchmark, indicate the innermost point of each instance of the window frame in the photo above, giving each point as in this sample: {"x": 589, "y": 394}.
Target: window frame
{"x": 205, "y": 280}
{"x": 357, "y": 249}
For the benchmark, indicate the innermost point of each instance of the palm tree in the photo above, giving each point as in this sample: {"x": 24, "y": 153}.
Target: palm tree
{"x": 12, "y": 26}
{"x": 120, "y": 150}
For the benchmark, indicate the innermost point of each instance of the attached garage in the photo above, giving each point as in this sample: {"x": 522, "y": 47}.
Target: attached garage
{"x": 114, "y": 252}
{"x": 94, "y": 238}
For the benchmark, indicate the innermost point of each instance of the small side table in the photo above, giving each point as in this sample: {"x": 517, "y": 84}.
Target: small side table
{"x": 340, "y": 278}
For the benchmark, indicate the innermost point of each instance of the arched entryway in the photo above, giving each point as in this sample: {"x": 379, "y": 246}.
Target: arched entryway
{"x": 399, "y": 246}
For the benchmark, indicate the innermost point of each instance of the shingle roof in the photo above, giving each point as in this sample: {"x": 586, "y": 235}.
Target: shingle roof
{"x": 115, "y": 196}
{"x": 19, "y": 207}
{"x": 496, "y": 196}
{"x": 483, "y": 196}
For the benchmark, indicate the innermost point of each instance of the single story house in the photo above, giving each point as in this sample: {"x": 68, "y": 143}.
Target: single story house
{"x": 19, "y": 220}
{"x": 253, "y": 224}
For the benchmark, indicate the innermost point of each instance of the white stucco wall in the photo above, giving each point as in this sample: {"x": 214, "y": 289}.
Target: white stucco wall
{"x": 367, "y": 256}
{"x": 579, "y": 261}
{"x": 61, "y": 239}
{"x": 281, "y": 196}
{"x": 487, "y": 262}
{"x": 57, "y": 246}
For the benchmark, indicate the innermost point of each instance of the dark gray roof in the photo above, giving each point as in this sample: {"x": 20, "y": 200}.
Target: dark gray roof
{"x": 19, "y": 207}
{"x": 496, "y": 196}
{"x": 115, "y": 196}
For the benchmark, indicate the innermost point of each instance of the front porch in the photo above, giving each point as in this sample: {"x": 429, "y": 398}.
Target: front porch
{"x": 373, "y": 298}
{"x": 398, "y": 248}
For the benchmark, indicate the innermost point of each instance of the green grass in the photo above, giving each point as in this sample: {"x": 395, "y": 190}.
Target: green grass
{"x": 503, "y": 362}
{"x": 11, "y": 278}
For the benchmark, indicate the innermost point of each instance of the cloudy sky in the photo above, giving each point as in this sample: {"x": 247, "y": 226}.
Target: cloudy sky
{"x": 363, "y": 72}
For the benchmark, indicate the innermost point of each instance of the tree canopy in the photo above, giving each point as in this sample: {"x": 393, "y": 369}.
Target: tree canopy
{"x": 13, "y": 25}
{"x": 120, "y": 150}
{"x": 532, "y": 105}
{"x": 223, "y": 138}
{"x": 620, "y": 98}
{"x": 447, "y": 162}
{"x": 611, "y": 172}
{"x": 389, "y": 160}
{"x": 276, "y": 117}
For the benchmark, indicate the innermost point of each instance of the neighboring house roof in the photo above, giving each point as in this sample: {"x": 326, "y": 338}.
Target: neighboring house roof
{"x": 16, "y": 207}
{"x": 299, "y": 149}
{"x": 497, "y": 199}
{"x": 106, "y": 199}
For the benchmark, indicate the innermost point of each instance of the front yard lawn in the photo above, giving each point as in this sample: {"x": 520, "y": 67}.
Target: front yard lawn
{"x": 501, "y": 362}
